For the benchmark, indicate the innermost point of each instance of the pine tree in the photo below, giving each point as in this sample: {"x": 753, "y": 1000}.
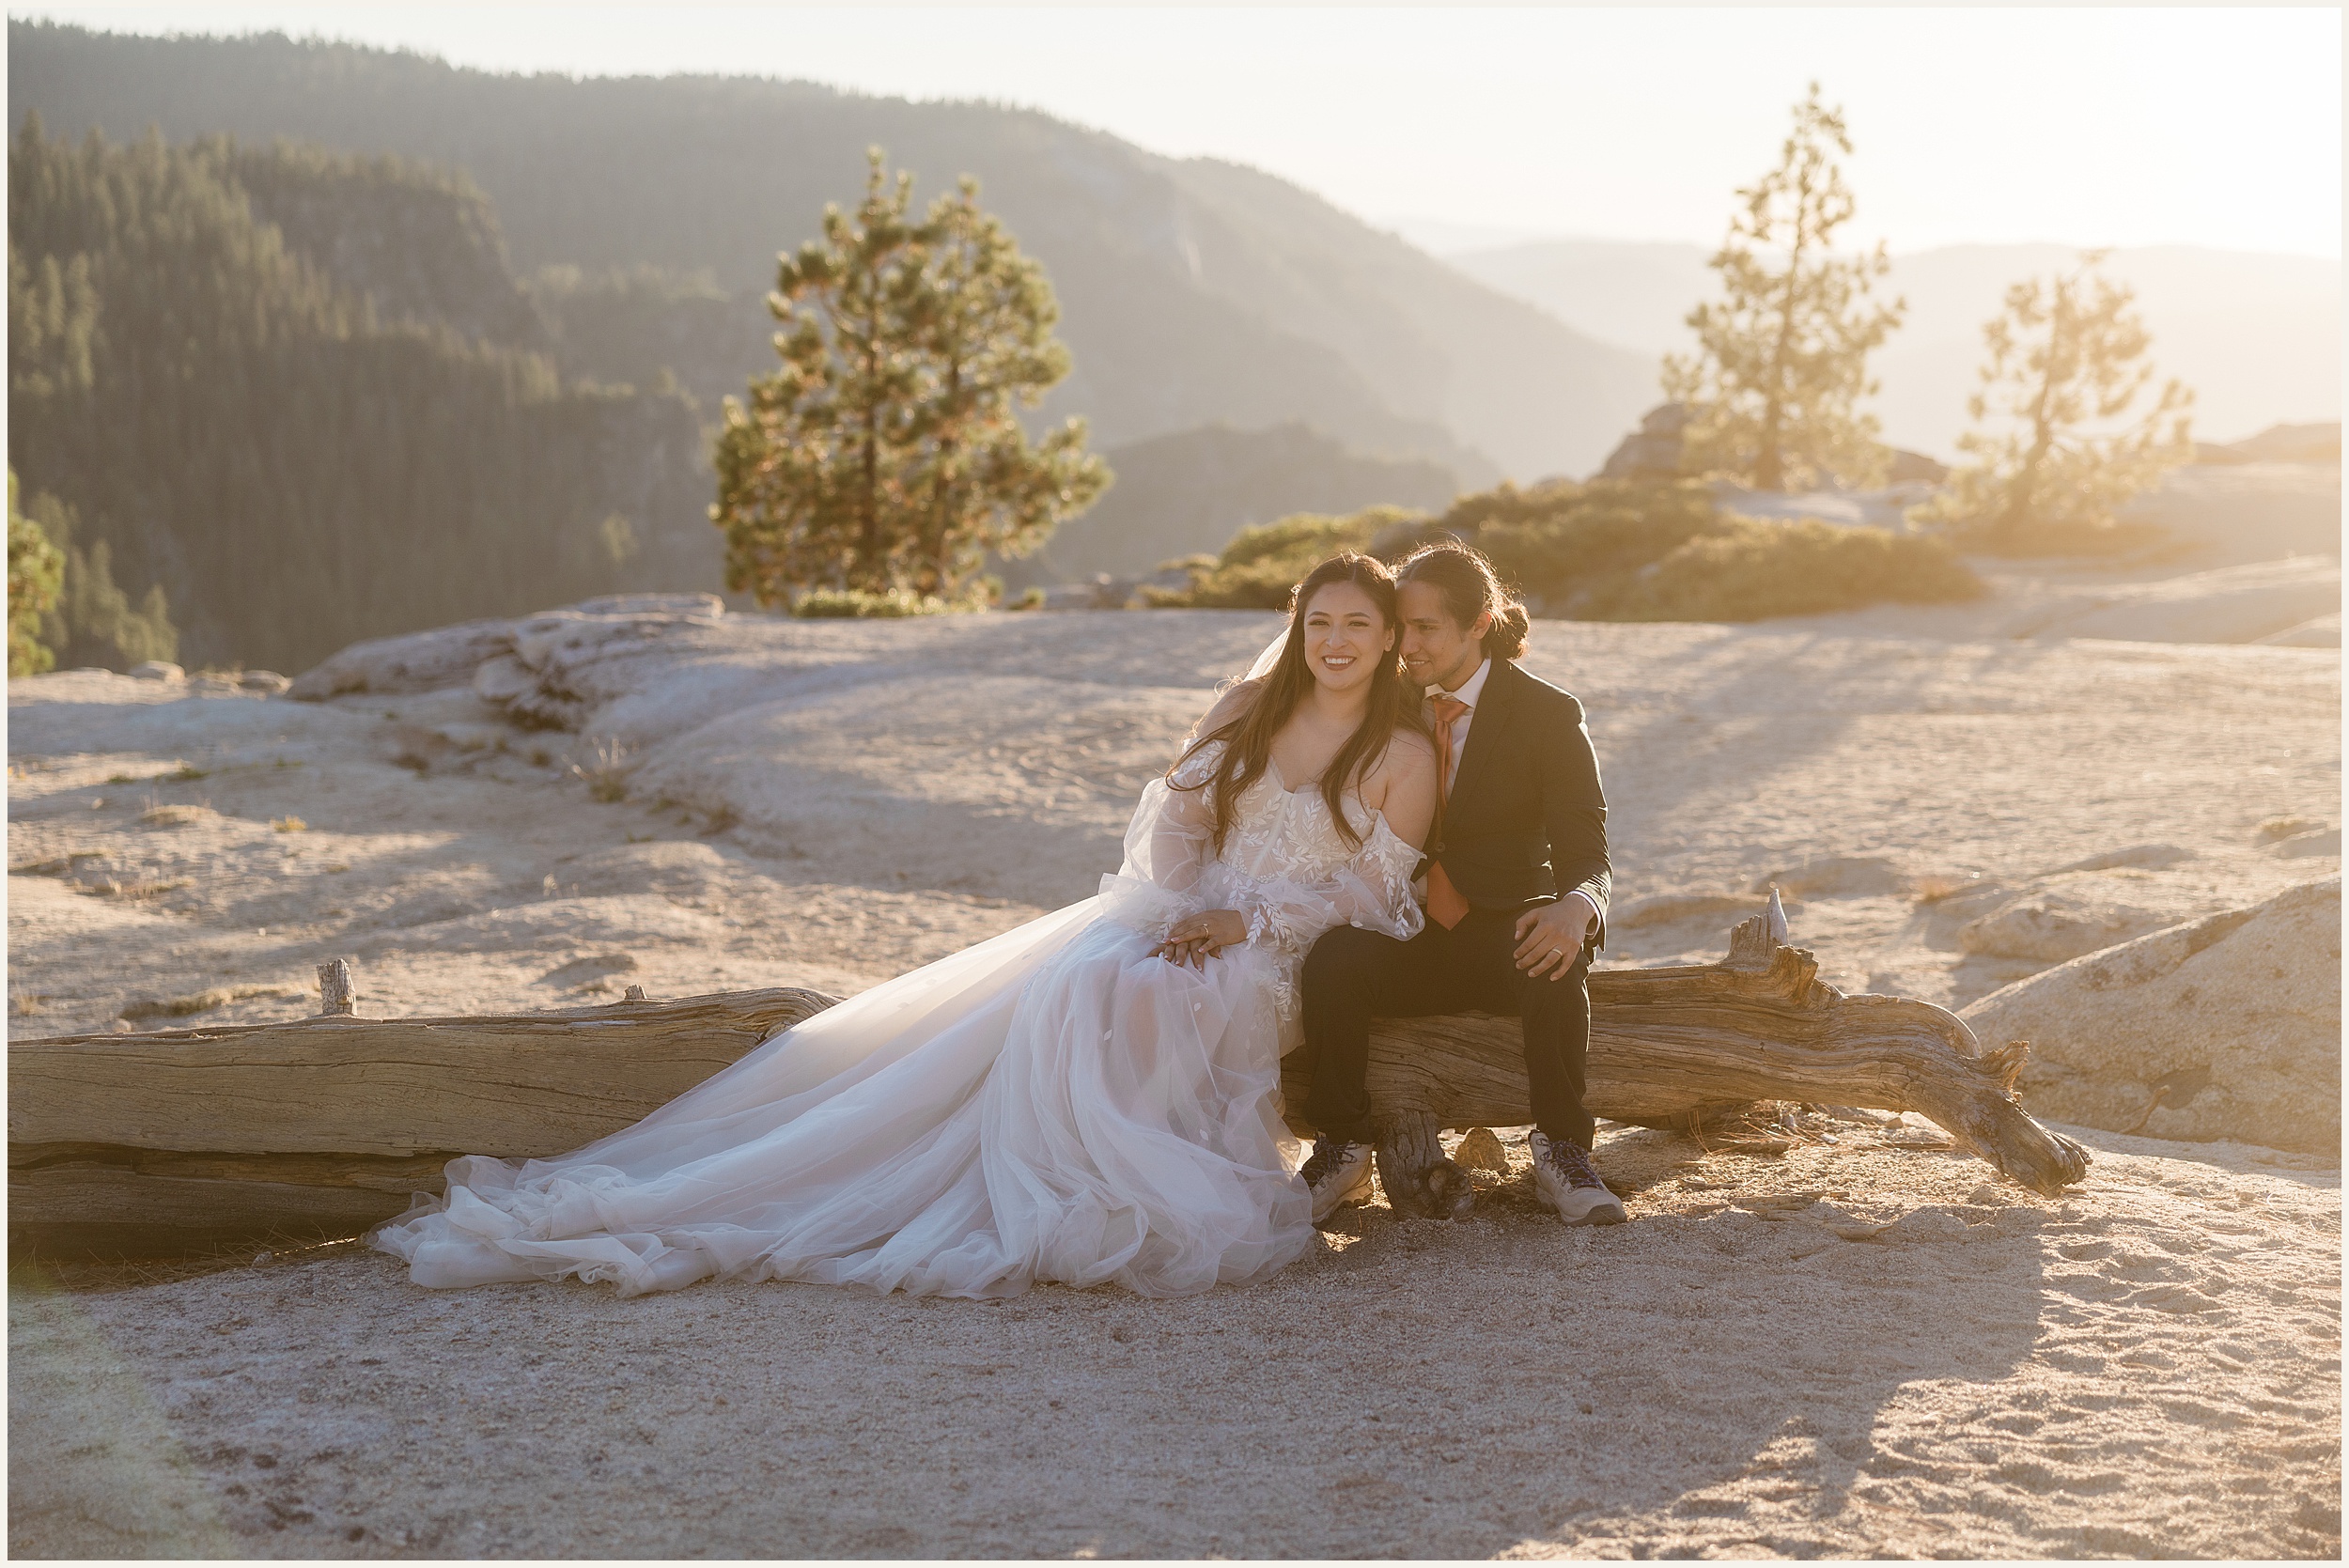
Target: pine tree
{"x": 2051, "y": 469}
{"x": 1781, "y": 361}
{"x": 36, "y": 574}
{"x": 985, "y": 323}
{"x": 885, "y": 454}
{"x": 90, "y": 621}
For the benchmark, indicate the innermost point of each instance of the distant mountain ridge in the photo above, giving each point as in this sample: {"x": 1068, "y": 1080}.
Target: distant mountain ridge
{"x": 2256, "y": 335}
{"x": 1193, "y": 293}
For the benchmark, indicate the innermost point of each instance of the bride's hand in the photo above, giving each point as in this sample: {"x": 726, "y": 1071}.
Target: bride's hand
{"x": 1195, "y": 939}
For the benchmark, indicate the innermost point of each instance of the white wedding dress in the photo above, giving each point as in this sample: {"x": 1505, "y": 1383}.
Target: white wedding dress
{"x": 1052, "y": 1104}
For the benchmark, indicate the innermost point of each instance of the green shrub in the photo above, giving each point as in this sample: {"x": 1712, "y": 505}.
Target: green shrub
{"x": 1649, "y": 551}
{"x": 1749, "y": 570}
{"x": 825, "y": 604}
{"x": 2059, "y": 539}
{"x": 1262, "y": 566}
{"x": 1262, "y": 586}
{"x": 1575, "y": 547}
{"x": 1607, "y": 551}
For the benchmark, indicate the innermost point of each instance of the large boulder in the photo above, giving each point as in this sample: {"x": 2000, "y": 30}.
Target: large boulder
{"x": 2225, "y": 1028}
{"x": 1653, "y": 450}
{"x": 418, "y": 661}
{"x": 2051, "y": 922}
{"x": 514, "y": 652}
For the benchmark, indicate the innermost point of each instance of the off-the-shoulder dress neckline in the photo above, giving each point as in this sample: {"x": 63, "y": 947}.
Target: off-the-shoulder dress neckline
{"x": 1378, "y": 817}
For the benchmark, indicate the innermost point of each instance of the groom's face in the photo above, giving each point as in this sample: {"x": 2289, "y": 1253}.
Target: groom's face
{"x": 1436, "y": 650}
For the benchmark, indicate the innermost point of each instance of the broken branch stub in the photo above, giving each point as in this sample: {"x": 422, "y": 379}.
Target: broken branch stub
{"x": 338, "y": 997}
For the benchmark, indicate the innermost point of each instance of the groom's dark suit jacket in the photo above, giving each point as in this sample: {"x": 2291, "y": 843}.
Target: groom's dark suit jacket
{"x": 1526, "y": 821}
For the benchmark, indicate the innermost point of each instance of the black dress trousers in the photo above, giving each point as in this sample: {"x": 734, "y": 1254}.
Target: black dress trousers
{"x": 1353, "y": 976}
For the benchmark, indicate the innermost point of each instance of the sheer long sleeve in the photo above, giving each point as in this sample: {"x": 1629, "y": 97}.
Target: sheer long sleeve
{"x": 1373, "y": 891}
{"x": 1168, "y": 846}
{"x": 1282, "y": 866}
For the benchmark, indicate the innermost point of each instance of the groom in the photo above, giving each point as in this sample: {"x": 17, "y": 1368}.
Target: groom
{"x": 1517, "y": 892}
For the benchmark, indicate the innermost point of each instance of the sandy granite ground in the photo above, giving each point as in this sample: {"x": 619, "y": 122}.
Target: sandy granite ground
{"x": 1850, "y": 1349}
{"x": 2147, "y": 1367}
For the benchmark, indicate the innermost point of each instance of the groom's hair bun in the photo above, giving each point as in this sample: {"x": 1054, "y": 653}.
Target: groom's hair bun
{"x": 1470, "y": 587}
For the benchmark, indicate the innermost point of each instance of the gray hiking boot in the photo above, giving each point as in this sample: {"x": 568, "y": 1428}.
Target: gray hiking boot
{"x": 1569, "y": 1182}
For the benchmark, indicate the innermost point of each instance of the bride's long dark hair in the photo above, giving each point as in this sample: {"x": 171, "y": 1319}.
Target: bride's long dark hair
{"x": 1248, "y": 735}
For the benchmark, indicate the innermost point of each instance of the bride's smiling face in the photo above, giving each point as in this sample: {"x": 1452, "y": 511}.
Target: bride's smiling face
{"x": 1345, "y": 637}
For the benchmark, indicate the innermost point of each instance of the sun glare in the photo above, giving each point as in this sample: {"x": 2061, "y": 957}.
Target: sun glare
{"x": 2128, "y": 127}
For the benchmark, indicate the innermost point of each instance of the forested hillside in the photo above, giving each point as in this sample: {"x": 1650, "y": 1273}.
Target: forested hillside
{"x": 303, "y": 395}
{"x": 1192, "y": 292}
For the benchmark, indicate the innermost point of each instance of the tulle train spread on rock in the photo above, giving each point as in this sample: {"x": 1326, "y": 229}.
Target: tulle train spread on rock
{"x": 1052, "y": 1104}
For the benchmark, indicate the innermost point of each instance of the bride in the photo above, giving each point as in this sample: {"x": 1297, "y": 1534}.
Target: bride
{"x": 1092, "y": 1096}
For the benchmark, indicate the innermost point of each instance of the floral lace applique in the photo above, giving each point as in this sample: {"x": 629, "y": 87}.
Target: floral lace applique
{"x": 1284, "y": 865}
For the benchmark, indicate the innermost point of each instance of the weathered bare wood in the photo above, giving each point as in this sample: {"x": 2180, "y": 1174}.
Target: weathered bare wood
{"x": 1673, "y": 1047}
{"x": 1419, "y": 1178}
{"x": 135, "y": 1202}
{"x": 324, "y": 1125}
{"x": 181, "y": 1139}
{"x": 337, "y": 996}
{"x": 517, "y": 1084}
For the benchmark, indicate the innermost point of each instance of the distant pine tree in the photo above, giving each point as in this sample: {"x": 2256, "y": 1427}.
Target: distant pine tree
{"x": 885, "y": 454}
{"x": 91, "y": 622}
{"x": 36, "y": 574}
{"x": 1782, "y": 357}
{"x": 2052, "y": 465}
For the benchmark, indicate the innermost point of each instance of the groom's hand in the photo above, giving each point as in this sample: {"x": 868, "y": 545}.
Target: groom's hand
{"x": 1551, "y": 936}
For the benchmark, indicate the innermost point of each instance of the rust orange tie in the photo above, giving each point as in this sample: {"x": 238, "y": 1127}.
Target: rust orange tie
{"x": 1445, "y": 906}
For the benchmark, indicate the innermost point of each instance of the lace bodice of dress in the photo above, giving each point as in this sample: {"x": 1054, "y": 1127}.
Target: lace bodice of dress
{"x": 1283, "y": 863}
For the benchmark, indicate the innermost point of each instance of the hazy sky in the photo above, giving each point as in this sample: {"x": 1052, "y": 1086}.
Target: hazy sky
{"x": 2128, "y": 127}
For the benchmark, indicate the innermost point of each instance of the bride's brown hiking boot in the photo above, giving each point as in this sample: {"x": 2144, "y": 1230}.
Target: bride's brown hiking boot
{"x": 1336, "y": 1174}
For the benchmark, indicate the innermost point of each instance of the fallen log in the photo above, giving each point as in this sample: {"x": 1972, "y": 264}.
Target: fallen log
{"x": 190, "y": 1141}
{"x": 1683, "y": 1045}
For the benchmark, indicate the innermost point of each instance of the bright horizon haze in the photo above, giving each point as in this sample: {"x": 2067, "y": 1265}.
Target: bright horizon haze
{"x": 2216, "y": 128}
